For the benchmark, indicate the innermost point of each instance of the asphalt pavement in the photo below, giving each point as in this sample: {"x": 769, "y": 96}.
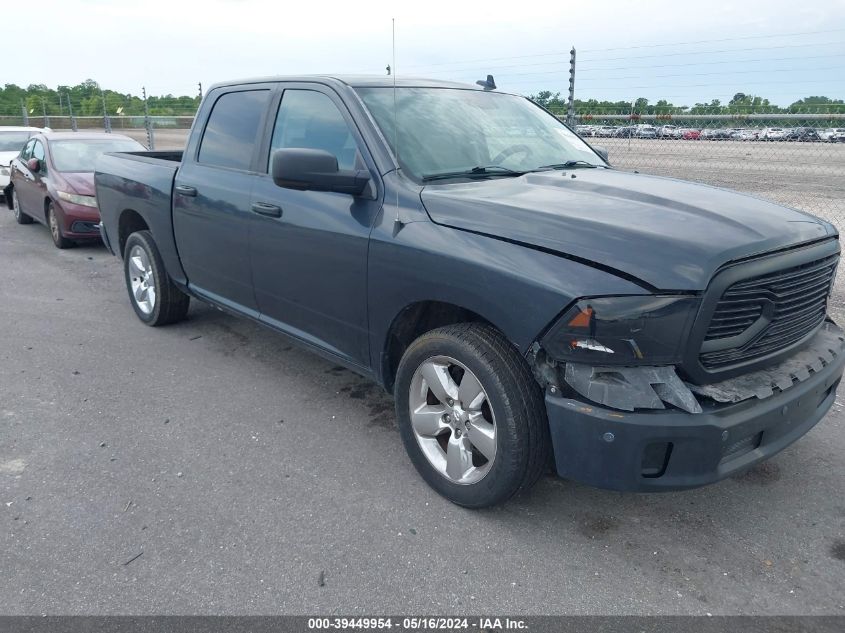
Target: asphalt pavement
{"x": 211, "y": 467}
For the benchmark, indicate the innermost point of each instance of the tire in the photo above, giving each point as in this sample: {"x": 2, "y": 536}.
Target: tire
{"x": 59, "y": 240}
{"x": 492, "y": 470}
{"x": 154, "y": 297}
{"x": 20, "y": 216}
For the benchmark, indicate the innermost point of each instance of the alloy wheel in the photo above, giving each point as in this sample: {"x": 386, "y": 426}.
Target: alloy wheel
{"x": 142, "y": 280}
{"x": 452, "y": 420}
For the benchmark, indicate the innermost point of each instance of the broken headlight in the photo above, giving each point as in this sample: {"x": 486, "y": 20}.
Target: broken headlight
{"x": 633, "y": 330}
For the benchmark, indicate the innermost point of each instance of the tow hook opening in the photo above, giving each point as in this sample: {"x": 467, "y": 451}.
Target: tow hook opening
{"x": 655, "y": 459}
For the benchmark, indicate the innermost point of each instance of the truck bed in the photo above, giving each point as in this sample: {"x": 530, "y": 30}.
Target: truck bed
{"x": 137, "y": 187}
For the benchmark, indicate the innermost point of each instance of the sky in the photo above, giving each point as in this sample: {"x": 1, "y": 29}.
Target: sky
{"x": 680, "y": 51}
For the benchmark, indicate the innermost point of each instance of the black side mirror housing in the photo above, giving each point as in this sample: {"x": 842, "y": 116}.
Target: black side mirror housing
{"x": 308, "y": 169}
{"x": 601, "y": 151}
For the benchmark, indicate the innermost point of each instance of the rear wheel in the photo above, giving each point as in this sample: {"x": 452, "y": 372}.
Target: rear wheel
{"x": 471, "y": 415}
{"x": 56, "y": 228}
{"x": 155, "y": 298}
{"x": 20, "y": 216}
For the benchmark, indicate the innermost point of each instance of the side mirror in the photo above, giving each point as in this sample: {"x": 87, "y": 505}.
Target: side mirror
{"x": 33, "y": 165}
{"x": 315, "y": 170}
{"x": 601, "y": 151}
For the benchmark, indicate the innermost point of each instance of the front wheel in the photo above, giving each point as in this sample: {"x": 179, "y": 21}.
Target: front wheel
{"x": 56, "y": 228}
{"x": 20, "y": 216}
{"x": 154, "y": 296}
{"x": 471, "y": 415}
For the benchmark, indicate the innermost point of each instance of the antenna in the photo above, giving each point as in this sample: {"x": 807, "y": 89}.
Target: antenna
{"x": 397, "y": 220}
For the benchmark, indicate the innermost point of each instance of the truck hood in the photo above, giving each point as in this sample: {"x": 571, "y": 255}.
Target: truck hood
{"x": 669, "y": 234}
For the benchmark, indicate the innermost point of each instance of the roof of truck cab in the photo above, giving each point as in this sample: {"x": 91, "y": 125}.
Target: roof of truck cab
{"x": 355, "y": 81}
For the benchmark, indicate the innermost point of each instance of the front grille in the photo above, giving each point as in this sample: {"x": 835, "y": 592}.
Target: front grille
{"x": 794, "y": 300}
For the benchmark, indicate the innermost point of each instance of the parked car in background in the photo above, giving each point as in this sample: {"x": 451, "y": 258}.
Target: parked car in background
{"x": 585, "y": 130}
{"x": 669, "y": 131}
{"x": 833, "y": 134}
{"x": 691, "y": 134}
{"x": 802, "y": 134}
{"x": 12, "y": 139}
{"x": 624, "y": 131}
{"x": 716, "y": 134}
{"x": 773, "y": 134}
{"x": 52, "y": 181}
{"x": 743, "y": 134}
{"x": 605, "y": 130}
{"x": 645, "y": 131}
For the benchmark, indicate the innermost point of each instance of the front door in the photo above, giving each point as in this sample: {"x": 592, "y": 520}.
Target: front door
{"x": 211, "y": 199}
{"x": 25, "y": 183}
{"x": 309, "y": 264}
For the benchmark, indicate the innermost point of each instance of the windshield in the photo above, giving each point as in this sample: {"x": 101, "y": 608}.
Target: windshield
{"x": 13, "y": 141}
{"x": 445, "y": 130}
{"x": 81, "y": 155}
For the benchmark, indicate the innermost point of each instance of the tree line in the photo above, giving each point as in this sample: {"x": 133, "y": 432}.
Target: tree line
{"x": 88, "y": 99}
{"x": 740, "y": 104}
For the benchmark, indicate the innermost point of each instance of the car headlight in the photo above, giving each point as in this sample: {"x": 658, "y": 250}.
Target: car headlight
{"x": 632, "y": 330}
{"x": 86, "y": 201}
{"x": 4, "y": 171}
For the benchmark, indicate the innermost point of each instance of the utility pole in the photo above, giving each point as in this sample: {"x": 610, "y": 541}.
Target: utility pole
{"x": 70, "y": 113}
{"x": 106, "y": 121}
{"x": 148, "y": 124}
{"x": 25, "y": 114}
{"x": 44, "y": 110}
{"x": 570, "y": 113}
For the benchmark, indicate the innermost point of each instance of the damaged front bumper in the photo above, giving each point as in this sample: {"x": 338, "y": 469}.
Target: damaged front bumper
{"x": 727, "y": 428}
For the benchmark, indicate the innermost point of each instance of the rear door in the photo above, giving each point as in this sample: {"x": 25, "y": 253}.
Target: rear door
{"x": 309, "y": 248}
{"x": 211, "y": 197}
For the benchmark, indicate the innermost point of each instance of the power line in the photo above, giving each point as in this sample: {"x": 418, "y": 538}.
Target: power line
{"x": 726, "y": 39}
{"x": 628, "y": 57}
{"x": 720, "y": 73}
{"x": 565, "y": 53}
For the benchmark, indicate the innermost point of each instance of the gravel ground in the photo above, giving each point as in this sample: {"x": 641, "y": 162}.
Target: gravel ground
{"x": 210, "y": 467}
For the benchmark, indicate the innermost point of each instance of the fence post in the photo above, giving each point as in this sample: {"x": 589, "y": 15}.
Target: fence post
{"x": 106, "y": 121}
{"x": 44, "y": 110}
{"x": 570, "y": 113}
{"x": 73, "y": 125}
{"x": 148, "y": 124}
{"x": 25, "y": 114}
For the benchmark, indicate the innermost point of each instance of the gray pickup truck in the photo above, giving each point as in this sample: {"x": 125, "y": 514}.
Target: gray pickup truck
{"x": 529, "y": 306}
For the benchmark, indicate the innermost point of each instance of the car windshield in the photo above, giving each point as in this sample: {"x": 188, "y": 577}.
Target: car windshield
{"x": 13, "y": 141}
{"x": 81, "y": 155}
{"x": 452, "y": 130}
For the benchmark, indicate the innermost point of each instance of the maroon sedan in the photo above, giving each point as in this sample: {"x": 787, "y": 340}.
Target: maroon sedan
{"x": 52, "y": 181}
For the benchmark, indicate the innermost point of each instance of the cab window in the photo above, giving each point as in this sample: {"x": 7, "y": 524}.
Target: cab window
{"x": 310, "y": 119}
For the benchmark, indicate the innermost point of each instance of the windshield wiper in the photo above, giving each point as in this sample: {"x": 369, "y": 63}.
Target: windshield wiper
{"x": 475, "y": 172}
{"x": 568, "y": 165}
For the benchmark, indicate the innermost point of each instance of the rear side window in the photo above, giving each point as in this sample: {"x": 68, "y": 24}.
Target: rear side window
{"x": 232, "y": 129}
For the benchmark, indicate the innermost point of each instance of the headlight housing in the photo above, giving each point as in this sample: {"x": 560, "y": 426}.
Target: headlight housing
{"x": 4, "y": 171}
{"x": 631, "y": 330}
{"x": 85, "y": 201}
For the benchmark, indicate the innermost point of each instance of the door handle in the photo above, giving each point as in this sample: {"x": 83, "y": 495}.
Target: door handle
{"x": 270, "y": 210}
{"x": 185, "y": 190}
